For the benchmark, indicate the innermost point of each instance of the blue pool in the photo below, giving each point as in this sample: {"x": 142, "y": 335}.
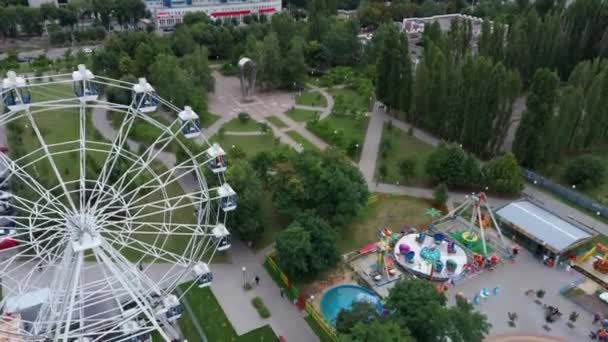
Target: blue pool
{"x": 342, "y": 297}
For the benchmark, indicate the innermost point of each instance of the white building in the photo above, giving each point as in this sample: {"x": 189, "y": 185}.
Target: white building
{"x": 167, "y": 13}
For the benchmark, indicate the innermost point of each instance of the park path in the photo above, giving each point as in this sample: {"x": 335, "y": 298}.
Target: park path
{"x": 329, "y": 102}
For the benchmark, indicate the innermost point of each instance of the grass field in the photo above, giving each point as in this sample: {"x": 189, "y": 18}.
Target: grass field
{"x": 301, "y": 115}
{"x": 276, "y": 121}
{"x": 342, "y": 131}
{"x": 351, "y": 97}
{"x": 313, "y": 99}
{"x": 237, "y": 125}
{"x": 214, "y": 322}
{"x": 390, "y": 211}
{"x": 251, "y": 145}
{"x": 307, "y": 145}
{"x": 403, "y": 146}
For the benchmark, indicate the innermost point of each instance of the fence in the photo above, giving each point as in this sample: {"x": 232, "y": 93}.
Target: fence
{"x": 570, "y": 195}
{"x": 293, "y": 294}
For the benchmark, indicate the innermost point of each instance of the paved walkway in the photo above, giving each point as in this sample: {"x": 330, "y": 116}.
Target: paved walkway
{"x": 227, "y": 286}
{"x": 329, "y": 102}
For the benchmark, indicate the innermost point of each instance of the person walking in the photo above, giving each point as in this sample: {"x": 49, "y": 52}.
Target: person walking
{"x": 282, "y": 293}
{"x": 596, "y": 318}
{"x": 257, "y": 280}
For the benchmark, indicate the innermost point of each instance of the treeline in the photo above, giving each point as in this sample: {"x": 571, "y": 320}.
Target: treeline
{"x": 568, "y": 119}
{"x": 558, "y": 38}
{"x": 16, "y": 18}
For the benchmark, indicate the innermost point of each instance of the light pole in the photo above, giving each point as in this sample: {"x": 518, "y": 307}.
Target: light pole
{"x": 244, "y": 275}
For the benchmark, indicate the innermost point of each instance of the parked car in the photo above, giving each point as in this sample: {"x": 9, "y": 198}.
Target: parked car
{"x": 88, "y": 51}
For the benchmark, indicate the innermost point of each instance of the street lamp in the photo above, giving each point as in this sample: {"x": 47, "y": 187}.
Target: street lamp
{"x": 574, "y": 186}
{"x": 244, "y": 275}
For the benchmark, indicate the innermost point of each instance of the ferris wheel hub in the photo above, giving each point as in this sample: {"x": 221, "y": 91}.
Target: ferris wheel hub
{"x": 83, "y": 228}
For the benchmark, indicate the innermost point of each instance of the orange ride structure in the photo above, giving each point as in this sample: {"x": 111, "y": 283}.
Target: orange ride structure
{"x": 384, "y": 263}
{"x": 601, "y": 264}
{"x": 481, "y": 221}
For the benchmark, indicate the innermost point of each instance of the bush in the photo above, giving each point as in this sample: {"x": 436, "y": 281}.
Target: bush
{"x": 244, "y": 117}
{"x": 440, "y": 195}
{"x": 586, "y": 172}
{"x": 259, "y": 305}
{"x": 229, "y": 69}
{"x": 451, "y": 165}
{"x": 407, "y": 168}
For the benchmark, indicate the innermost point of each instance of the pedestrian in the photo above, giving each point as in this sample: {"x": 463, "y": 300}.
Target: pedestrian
{"x": 596, "y": 317}
{"x": 282, "y": 293}
{"x": 257, "y": 280}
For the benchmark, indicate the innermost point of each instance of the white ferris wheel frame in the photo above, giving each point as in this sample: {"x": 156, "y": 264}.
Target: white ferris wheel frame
{"x": 68, "y": 272}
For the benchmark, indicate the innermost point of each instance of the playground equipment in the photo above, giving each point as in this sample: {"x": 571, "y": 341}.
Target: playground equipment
{"x": 451, "y": 265}
{"x": 384, "y": 263}
{"x": 601, "y": 264}
{"x": 476, "y": 229}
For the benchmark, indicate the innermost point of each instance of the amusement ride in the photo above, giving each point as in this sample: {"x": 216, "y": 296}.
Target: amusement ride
{"x": 97, "y": 235}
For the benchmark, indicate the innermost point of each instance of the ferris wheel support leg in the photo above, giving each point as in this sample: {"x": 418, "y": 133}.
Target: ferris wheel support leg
{"x": 75, "y": 281}
{"x": 147, "y": 310}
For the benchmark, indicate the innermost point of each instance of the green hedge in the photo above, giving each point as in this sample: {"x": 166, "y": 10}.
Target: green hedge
{"x": 258, "y": 304}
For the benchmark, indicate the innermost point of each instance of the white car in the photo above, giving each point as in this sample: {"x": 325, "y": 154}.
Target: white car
{"x": 87, "y": 50}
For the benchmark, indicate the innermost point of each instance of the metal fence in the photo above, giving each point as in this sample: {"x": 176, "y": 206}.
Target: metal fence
{"x": 562, "y": 191}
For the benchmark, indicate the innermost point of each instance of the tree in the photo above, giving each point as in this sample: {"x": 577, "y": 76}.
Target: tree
{"x": 360, "y": 311}
{"x": 460, "y": 323}
{"x": 385, "y": 331}
{"x": 325, "y": 182}
{"x": 120, "y": 95}
{"x": 585, "y": 171}
{"x": 323, "y": 238}
{"x": 451, "y": 165}
{"x": 440, "y": 195}
{"x": 407, "y": 168}
{"x": 534, "y": 130}
{"x": 293, "y": 248}
{"x": 171, "y": 81}
{"x": 417, "y": 293}
{"x": 196, "y": 64}
{"x": 503, "y": 175}
{"x": 183, "y": 43}
{"x": 342, "y": 43}
{"x": 269, "y": 70}
{"x": 245, "y": 223}
{"x": 394, "y": 72}
{"x": 294, "y": 64}
{"x": 143, "y": 53}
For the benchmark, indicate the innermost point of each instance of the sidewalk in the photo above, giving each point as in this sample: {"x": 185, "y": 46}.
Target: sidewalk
{"x": 227, "y": 286}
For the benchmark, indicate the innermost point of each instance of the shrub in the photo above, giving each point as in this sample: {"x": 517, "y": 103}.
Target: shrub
{"x": 383, "y": 170}
{"x": 229, "y": 69}
{"x": 586, "y": 172}
{"x": 259, "y": 305}
{"x": 244, "y": 117}
{"x": 451, "y": 165}
{"x": 407, "y": 168}
{"x": 503, "y": 175}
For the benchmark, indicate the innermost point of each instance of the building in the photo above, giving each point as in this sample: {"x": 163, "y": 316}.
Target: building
{"x": 38, "y": 3}
{"x": 541, "y": 231}
{"x": 167, "y": 13}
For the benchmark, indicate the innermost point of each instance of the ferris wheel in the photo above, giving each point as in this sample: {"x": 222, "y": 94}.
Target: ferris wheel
{"x": 98, "y": 229}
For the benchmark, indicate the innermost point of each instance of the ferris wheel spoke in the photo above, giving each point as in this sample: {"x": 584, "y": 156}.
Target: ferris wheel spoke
{"x": 115, "y": 151}
{"x": 68, "y": 310}
{"x": 31, "y": 183}
{"x": 144, "y": 161}
{"x": 42, "y": 143}
{"x": 143, "y": 247}
{"x": 82, "y": 156}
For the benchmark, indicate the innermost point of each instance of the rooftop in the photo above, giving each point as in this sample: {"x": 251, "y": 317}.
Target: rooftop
{"x": 542, "y": 225}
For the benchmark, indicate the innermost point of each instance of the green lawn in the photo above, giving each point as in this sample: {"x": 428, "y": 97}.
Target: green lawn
{"x": 307, "y": 145}
{"x": 207, "y": 119}
{"x": 276, "y": 121}
{"x": 390, "y": 211}
{"x": 251, "y": 145}
{"x": 271, "y": 220}
{"x": 301, "y": 115}
{"x": 342, "y": 131}
{"x": 403, "y": 146}
{"x": 351, "y": 97}
{"x": 312, "y": 98}
{"x": 214, "y": 322}
{"x": 237, "y": 125}
{"x": 556, "y": 172}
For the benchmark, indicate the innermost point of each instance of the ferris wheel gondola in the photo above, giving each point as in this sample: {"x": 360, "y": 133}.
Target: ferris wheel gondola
{"x": 93, "y": 223}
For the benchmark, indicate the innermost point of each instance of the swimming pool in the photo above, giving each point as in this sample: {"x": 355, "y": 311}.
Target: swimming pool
{"x": 342, "y": 297}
